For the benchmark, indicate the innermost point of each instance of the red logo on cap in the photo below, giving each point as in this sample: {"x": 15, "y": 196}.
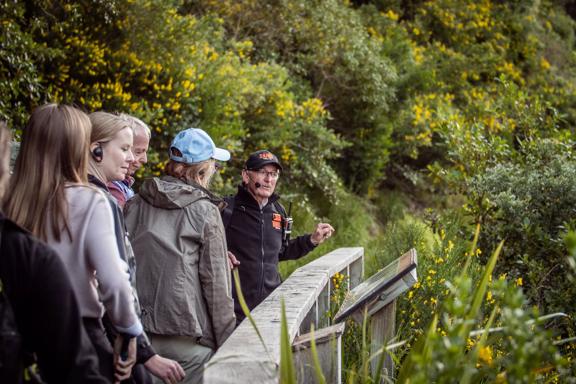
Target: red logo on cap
{"x": 266, "y": 156}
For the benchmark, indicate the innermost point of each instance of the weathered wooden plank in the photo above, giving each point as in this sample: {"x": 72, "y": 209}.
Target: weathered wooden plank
{"x": 383, "y": 328}
{"x": 328, "y": 345}
{"x": 234, "y": 372}
{"x": 356, "y": 272}
{"x": 336, "y": 260}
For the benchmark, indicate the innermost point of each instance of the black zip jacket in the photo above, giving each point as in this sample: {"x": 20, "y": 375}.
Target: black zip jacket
{"x": 46, "y": 311}
{"x": 254, "y": 236}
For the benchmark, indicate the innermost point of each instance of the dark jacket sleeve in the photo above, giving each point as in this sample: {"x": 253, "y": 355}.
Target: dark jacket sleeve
{"x": 144, "y": 350}
{"x": 297, "y": 248}
{"x": 46, "y": 311}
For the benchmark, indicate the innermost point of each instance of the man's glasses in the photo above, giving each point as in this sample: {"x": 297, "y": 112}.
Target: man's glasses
{"x": 273, "y": 175}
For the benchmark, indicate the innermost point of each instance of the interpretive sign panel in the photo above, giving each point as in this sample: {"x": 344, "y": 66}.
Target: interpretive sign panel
{"x": 381, "y": 288}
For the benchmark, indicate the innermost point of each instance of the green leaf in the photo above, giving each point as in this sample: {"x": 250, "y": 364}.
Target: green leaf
{"x": 317, "y": 368}
{"x": 245, "y": 308}
{"x": 287, "y": 371}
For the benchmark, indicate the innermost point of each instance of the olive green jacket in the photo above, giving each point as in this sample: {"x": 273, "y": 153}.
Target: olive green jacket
{"x": 182, "y": 275}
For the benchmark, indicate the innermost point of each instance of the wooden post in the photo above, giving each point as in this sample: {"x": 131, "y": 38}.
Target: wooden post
{"x": 323, "y": 303}
{"x": 383, "y": 328}
{"x": 356, "y": 272}
{"x": 329, "y": 351}
{"x": 309, "y": 320}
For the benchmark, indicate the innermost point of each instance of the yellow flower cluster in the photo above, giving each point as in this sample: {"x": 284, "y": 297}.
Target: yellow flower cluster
{"x": 510, "y": 70}
{"x": 375, "y": 34}
{"x": 337, "y": 280}
{"x": 463, "y": 24}
{"x": 391, "y": 15}
{"x": 485, "y": 355}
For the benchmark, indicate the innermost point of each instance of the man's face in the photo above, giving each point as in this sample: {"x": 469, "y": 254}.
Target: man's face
{"x": 265, "y": 180}
{"x": 139, "y": 150}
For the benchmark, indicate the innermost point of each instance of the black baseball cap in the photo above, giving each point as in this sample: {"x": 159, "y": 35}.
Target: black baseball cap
{"x": 259, "y": 159}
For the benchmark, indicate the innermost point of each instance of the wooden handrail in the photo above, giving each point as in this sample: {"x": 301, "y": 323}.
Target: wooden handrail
{"x": 306, "y": 293}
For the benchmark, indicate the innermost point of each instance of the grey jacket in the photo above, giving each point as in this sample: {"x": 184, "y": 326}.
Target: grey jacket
{"x": 183, "y": 278}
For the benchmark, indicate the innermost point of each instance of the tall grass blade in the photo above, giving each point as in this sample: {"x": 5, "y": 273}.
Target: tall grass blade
{"x": 483, "y": 286}
{"x": 317, "y": 368}
{"x": 381, "y": 355}
{"x": 420, "y": 352}
{"x": 472, "y": 251}
{"x": 500, "y": 329}
{"x": 352, "y": 376}
{"x": 377, "y": 375}
{"x": 245, "y": 308}
{"x": 287, "y": 371}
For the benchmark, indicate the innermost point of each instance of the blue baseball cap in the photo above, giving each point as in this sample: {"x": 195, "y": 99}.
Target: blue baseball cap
{"x": 196, "y": 146}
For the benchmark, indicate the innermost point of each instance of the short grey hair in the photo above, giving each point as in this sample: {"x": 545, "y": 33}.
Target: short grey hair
{"x": 136, "y": 123}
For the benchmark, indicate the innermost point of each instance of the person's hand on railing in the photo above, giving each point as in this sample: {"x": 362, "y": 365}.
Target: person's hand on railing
{"x": 232, "y": 261}
{"x": 323, "y": 231}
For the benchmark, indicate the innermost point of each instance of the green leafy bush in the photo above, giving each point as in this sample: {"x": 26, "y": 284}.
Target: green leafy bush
{"x": 519, "y": 350}
{"x": 171, "y": 69}
{"x": 325, "y": 48}
{"x": 530, "y": 203}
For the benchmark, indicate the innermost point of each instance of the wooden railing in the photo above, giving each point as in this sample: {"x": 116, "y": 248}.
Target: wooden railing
{"x": 244, "y": 358}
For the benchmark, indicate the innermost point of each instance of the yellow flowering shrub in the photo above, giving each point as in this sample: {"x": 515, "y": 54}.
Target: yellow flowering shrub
{"x": 174, "y": 71}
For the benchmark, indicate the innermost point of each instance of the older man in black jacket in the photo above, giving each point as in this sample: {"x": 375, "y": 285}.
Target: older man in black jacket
{"x": 256, "y": 224}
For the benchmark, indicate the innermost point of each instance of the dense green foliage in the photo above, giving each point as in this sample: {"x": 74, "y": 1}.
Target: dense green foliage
{"x": 533, "y": 202}
{"x": 403, "y": 123}
{"x": 463, "y": 344}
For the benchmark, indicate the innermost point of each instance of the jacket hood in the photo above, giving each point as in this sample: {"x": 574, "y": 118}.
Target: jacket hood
{"x": 168, "y": 192}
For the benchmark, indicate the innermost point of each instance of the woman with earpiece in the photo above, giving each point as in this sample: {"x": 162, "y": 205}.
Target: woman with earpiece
{"x": 50, "y": 196}
{"x": 111, "y": 147}
{"x": 183, "y": 276}
{"x": 111, "y": 155}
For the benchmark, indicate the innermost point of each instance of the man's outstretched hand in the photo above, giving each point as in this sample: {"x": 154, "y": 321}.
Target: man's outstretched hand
{"x": 323, "y": 231}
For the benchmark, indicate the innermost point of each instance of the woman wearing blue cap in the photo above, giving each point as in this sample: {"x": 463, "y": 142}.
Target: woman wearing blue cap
{"x": 183, "y": 277}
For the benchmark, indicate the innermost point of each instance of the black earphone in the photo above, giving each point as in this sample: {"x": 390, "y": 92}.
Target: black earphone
{"x": 256, "y": 184}
{"x": 98, "y": 153}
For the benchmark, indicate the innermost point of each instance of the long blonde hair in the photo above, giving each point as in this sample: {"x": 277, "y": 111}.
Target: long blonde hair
{"x": 200, "y": 173}
{"x": 105, "y": 126}
{"x": 54, "y": 151}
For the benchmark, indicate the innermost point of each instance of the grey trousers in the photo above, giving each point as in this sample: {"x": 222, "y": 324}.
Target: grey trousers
{"x": 189, "y": 354}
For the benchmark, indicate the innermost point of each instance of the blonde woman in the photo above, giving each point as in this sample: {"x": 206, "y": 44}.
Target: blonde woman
{"x": 112, "y": 157}
{"x": 111, "y": 154}
{"x": 51, "y": 198}
{"x": 183, "y": 277}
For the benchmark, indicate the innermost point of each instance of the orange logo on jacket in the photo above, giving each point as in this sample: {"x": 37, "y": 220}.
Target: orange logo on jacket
{"x": 276, "y": 221}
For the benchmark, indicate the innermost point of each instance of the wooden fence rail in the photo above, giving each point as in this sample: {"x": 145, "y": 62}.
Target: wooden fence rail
{"x": 245, "y": 359}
